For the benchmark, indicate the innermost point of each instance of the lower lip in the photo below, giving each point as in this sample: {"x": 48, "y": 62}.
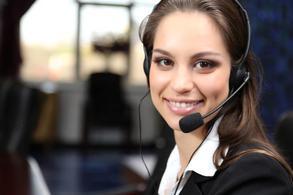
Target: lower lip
{"x": 183, "y": 111}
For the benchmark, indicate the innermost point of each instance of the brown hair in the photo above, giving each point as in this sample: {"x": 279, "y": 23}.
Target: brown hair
{"x": 241, "y": 124}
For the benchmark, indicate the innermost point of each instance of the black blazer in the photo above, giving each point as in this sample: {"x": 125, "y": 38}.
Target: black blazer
{"x": 252, "y": 174}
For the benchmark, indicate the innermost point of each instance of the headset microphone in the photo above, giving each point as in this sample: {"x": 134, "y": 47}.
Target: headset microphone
{"x": 193, "y": 121}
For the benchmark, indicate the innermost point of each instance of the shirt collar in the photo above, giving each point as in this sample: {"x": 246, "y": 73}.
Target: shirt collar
{"x": 201, "y": 162}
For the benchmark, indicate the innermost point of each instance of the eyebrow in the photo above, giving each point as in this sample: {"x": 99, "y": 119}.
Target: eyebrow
{"x": 197, "y": 55}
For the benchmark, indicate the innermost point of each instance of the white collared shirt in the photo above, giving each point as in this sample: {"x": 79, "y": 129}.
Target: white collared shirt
{"x": 201, "y": 163}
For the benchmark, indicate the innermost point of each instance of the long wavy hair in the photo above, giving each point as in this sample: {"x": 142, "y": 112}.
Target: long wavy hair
{"x": 241, "y": 124}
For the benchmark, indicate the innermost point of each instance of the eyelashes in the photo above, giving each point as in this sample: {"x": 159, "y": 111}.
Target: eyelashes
{"x": 200, "y": 64}
{"x": 162, "y": 61}
{"x": 205, "y": 64}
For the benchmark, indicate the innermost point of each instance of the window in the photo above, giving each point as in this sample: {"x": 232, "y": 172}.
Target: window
{"x": 48, "y": 38}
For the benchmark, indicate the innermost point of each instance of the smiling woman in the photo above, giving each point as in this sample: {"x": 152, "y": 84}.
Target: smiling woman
{"x": 198, "y": 60}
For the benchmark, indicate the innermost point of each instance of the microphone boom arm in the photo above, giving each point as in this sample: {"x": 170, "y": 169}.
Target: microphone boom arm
{"x": 228, "y": 98}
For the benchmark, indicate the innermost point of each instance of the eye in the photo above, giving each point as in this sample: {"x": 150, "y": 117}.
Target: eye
{"x": 163, "y": 62}
{"x": 204, "y": 66}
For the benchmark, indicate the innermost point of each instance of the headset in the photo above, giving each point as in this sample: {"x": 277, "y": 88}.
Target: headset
{"x": 238, "y": 71}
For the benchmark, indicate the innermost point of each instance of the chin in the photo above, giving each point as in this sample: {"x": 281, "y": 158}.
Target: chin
{"x": 173, "y": 124}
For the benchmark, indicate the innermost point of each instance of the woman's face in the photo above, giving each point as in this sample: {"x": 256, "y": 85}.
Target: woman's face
{"x": 190, "y": 66}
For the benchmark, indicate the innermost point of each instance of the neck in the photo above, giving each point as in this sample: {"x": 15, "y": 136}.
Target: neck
{"x": 187, "y": 143}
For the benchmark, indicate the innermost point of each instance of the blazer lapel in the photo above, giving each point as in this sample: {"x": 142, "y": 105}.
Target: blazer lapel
{"x": 192, "y": 186}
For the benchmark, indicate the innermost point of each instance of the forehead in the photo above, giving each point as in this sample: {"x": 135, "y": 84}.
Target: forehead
{"x": 194, "y": 28}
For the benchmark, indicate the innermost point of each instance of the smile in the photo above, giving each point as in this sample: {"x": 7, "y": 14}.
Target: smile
{"x": 184, "y": 107}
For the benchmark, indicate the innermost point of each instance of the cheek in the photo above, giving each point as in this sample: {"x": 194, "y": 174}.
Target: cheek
{"x": 154, "y": 85}
{"x": 158, "y": 80}
{"x": 216, "y": 87}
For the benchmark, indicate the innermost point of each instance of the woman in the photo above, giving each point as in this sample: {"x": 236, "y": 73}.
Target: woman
{"x": 198, "y": 61}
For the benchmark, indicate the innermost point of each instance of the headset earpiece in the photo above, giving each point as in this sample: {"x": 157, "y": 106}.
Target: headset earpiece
{"x": 146, "y": 63}
{"x": 237, "y": 77}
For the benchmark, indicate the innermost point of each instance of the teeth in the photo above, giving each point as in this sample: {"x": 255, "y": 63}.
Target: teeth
{"x": 182, "y": 104}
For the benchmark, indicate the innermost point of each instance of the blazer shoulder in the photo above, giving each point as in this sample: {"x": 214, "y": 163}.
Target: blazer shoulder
{"x": 258, "y": 163}
{"x": 255, "y": 173}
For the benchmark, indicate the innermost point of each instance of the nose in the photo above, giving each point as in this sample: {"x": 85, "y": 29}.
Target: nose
{"x": 182, "y": 81}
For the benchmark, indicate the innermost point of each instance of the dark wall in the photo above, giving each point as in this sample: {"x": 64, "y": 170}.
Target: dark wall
{"x": 272, "y": 41}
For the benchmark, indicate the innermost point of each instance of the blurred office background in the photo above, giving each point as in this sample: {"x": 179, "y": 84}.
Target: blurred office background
{"x": 71, "y": 78}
